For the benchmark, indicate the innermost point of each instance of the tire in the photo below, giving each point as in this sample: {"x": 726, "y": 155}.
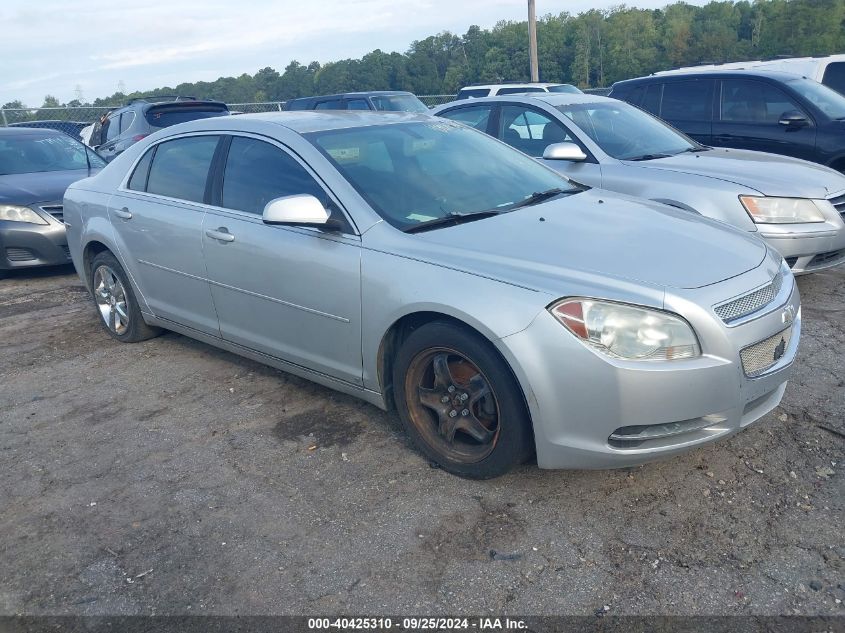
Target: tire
{"x": 117, "y": 308}
{"x": 460, "y": 403}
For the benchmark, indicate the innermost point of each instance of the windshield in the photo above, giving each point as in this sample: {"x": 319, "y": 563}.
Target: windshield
{"x": 567, "y": 88}
{"x": 625, "y": 132}
{"x": 828, "y": 101}
{"x": 412, "y": 173}
{"x": 398, "y": 103}
{"x": 30, "y": 153}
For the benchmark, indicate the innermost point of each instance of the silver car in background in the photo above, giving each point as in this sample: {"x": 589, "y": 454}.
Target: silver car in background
{"x": 796, "y": 206}
{"x": 423, "y": 266}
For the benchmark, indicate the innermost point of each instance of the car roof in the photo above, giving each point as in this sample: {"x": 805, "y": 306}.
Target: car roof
{"x": 30, "y": 131}
{"x": 363, "y": 93}
{"x": 777, "y": 75}
{"x": 300, "y": 121}
{"x": 550, "y": 98}
{"x": 518, "y": 84}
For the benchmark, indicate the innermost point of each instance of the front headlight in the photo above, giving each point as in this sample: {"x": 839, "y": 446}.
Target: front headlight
{"x": 12, "y": 213}
{"x": 781, "y": 210}
{"x": 625, "y": 331}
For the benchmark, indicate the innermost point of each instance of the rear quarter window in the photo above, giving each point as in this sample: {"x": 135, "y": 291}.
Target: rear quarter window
{"x": 834, "y": 77}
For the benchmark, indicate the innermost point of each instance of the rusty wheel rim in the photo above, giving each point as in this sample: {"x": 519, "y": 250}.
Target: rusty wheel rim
{"x": 452, "y": 405}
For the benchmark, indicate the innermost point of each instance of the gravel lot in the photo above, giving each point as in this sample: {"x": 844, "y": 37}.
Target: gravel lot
{"x": 169, "y": 477}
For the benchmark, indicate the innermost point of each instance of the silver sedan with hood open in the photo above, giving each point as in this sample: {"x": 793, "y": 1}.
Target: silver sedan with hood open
{"x": 423, "y": 266}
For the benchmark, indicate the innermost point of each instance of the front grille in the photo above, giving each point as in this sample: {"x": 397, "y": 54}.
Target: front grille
{"x": 19, "y": 255}
{"x": 56, "y": 210}
{"x": 757, "y": 358}
{"x": 839, "y": 203}
{"x": 826, "y": 258}
{"x": 751, "y": 302}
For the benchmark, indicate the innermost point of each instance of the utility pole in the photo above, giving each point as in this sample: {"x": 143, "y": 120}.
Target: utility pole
{"x": 532, "y": 40}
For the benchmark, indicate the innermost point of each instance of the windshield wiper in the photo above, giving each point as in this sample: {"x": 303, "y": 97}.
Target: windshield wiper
{"x": 452, "y": 219}
{"x": 649, "y": 157}
{"x": 538, "y": 197}
{"x": 694, "y": 150}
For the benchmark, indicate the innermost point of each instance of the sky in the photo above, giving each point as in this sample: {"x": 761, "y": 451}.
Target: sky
{"x": 97, "y": 46}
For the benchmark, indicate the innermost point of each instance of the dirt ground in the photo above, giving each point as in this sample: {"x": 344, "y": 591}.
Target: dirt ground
{"x": 169, "y": 477}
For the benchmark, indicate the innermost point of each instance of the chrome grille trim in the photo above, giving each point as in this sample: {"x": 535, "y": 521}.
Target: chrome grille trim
{"x": 757, "y": 358}
{"x": 751, "y": 302}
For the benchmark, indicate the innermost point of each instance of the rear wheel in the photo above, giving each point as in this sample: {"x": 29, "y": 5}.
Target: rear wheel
{"x": 116, "y": 304}
{"x": 459, "y": 402}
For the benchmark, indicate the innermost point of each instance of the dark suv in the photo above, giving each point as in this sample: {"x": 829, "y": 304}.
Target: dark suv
{"x": 766, "y": 111}
{"x": 382, "y": 100}
{"x": 140, "y": 117}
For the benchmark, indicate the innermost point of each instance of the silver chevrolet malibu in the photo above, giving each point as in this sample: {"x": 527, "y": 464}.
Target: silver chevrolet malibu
{"x": 425, "y": 267}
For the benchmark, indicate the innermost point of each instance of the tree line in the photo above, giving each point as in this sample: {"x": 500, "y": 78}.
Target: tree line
{"x": 591, "y": 49}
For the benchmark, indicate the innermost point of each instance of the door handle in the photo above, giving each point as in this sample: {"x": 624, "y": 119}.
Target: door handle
{"x": 123, "y": 213}
{"x": 221, "y": 234}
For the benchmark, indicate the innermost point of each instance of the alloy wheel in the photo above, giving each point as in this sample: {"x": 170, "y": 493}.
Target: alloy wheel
{"x": 110, "y": 296}
{"x": 452, "y": 405}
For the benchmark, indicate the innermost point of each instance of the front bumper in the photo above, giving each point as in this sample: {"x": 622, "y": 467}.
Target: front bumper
{"x": 807, "y": 248}
{"x": 24, "y": 245}
{"x": 579, "y": 397}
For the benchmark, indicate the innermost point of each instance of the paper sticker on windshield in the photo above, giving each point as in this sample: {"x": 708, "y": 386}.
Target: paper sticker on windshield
{"x": 418, "y": 217}
{"x": 345, "y": 154}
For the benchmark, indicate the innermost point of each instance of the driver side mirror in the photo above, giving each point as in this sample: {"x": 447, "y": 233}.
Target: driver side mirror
{"x": 564, "y": 151}
{"x": 793, "y": 118}
{"x": 299, "y": 210}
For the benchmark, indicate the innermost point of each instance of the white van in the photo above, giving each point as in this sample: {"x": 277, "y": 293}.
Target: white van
{"x": 829, "y": 70}
{"x": 492, "y": 90}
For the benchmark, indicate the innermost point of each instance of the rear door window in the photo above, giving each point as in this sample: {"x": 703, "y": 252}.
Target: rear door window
{"x": 475, "y": 116}
{"x": 747, "y": 101}
{"x": 689, "y": 100}
{"x": 180, "y": 167}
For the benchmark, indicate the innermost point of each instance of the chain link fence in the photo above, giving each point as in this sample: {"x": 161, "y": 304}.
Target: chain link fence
{"x": 73, "y": 120}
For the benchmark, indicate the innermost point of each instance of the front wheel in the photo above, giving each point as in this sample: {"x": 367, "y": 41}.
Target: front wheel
{"x": 115, "y": 301}
{"x": 460, "y": 403}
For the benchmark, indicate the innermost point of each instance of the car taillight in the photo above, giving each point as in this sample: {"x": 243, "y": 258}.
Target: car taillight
{"x": 138, "y": 137}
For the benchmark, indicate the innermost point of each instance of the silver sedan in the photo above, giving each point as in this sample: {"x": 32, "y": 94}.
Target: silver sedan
{"x": 796, "y": 206}
{"x": 425, "y": 267}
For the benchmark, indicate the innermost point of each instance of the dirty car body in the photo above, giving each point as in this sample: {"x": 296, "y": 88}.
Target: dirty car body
{"x": 796, "y": 206}
{"x": 339, "y": 301}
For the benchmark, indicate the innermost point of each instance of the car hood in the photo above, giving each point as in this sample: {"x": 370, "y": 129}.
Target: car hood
{"x": 770, "y": 174}
{"x": 44, "y": 186}
{"x": 596, "y": 232}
